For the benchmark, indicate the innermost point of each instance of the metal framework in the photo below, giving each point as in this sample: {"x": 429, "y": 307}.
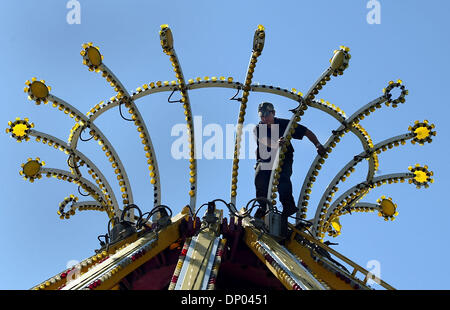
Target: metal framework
{"x": 303, "y": 262}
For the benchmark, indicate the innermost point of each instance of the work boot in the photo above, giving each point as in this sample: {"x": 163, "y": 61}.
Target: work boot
{"x": 288, "y": 211}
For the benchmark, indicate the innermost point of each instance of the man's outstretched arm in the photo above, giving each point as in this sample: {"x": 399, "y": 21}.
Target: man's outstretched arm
{"x": 312, "y": 137}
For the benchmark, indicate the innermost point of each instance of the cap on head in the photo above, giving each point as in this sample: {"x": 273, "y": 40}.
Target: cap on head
{"x": 265, "y": 108}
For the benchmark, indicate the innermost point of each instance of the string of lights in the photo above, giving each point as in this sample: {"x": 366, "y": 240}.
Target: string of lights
{"x": 168, "y": 48}
{"x": 349, "y": 168}
{"x": 418, "y": 175}
{"x": 40, "y": 93}
{"x": 94, "y": 60}
{"x": 258, "y": 45}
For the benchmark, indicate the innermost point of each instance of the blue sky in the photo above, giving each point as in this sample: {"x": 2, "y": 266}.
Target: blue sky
{"x": 214, "y": 38}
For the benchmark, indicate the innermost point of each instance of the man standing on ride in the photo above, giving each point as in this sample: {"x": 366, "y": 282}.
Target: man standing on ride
{"x": 269, "y": 136}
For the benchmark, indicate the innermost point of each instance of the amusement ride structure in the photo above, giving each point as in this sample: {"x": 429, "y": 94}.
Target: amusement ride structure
{"x": 159, "y": 250}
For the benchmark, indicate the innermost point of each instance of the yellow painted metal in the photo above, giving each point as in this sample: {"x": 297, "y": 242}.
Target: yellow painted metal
{"x": 47, "y": 285}
{"x": 166, "y": 237}
{"x": 324, "y": 274}
{"x": 117, "y": 246}
{"x": 319, "y": 272}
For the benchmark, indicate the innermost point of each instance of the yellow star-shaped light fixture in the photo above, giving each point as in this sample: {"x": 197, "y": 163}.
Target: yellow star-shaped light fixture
{"x": 423, "y": 131}
{"x": 422, "y": 177}
{"x": 92, "y": 57}
{"x": 19, "y": 129}
{"x": 37, "y": 90}
{"x": 31, "y": 170}
{"x": 387, "y": 209}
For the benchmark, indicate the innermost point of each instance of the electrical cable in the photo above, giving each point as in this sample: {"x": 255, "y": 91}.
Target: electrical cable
{"x": 121, "y": 114}
{"x": 238, "y": 90}
{"x": 255, "y": 203}
{"x": 72, "y": 154}
{"x": 231, "y": 207}
{"x": 85, "y": 140}
{"x": 79, "y": 191}
{"x": 173, "y": 101}
{"x": 258, "y": 200}
{"x": 103, "y": 243}
{"x": 127, "y": 208}
{"x": 141, "y": 222}
{"x": 196, "y": 212}
{"x": 108, "y": 234}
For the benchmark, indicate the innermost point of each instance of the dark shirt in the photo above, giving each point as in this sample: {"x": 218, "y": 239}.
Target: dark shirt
{"x": 259, "y": 132}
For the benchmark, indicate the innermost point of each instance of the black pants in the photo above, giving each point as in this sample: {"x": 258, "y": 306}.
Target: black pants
{"x": 262, "y": 178}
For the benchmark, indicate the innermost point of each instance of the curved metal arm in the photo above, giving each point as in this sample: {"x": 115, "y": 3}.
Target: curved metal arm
{"x": 354, "y": 194}
{"x": 367, "y": 206}
{"x": 348, "y": 125}
{"x": 80, "y": 206}
{"x": 290, "y": 129}
{"x": 86, "y": 184}
{"x": 347, "y": 169}
{"x": 90, "y": 165}
{"x": 258, "y": 45}
{"x": 73, "y": 139}
{"x": 167, "y": 45}
{"x": 144, "y": 135}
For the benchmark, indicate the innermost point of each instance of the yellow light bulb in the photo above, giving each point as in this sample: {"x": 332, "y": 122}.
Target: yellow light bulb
{"x": 19, "y": 130}
{"x": 422, "y": 133}
{"x": 420, "y": 176}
